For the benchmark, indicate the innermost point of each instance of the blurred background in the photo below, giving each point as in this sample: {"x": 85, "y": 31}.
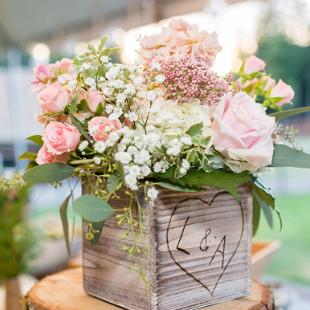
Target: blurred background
{"x": 37, "y": 31}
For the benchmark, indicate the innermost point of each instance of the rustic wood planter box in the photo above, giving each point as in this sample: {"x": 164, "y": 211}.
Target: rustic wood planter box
{"x": 199, "y": 253}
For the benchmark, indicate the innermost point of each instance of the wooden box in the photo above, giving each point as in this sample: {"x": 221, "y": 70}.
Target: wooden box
{"x": 199, "y": 253}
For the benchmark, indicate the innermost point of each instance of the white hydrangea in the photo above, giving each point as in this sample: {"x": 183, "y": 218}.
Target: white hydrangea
{"x": 152, "y": 193}
{"x": 97, "y": 160}
{"x": 123, "y": 157}
{"x": 109, "y": 108}
{"x": 142, "y": 157}
{"x": 174, "y": 147}
{"x": 131, "y": 181}
{"x": 90, "y": 82}
{"x": 160, "y": 78}
{"x": 100, "y": 147}
{"x": 120, "y": 98}
{"x": 83, "y": 145}
{"x": 105, "y": 59}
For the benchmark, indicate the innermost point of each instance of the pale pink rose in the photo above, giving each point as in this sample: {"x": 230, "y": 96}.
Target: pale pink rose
{"x": 180, "y": 39}
{"x": 100, "y": 127}
{"x": 243, "y": 131}
{"x": 65, "y": 66}
{"x": 42, "y": 75}
{"x": 270, "y": 82}
{"x": 93, "y": 99}
{"x": 53, "y": 98}
{"x": 46, "y": 157}
{"x": 61, "y": 138}
{"x": 284, "y": 91}
{"x": 253, "y": 64}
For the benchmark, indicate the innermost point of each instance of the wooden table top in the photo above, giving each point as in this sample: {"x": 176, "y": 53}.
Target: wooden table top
{"x": 64, "y": 291}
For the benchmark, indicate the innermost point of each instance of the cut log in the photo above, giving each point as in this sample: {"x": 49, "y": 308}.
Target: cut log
{"x": 64, "y": 291}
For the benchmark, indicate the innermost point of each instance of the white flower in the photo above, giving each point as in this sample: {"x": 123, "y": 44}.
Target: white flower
{"x": 97, "y": 160}
{"x": 174, "y": 147}
{"x": 117, "y": 84}
{"x": 83, "y": 145}
{"x": 151, "y": 95}
{"x": 145, "y": 171}
{"x": 186, "y": 140}
{"x": 121, "y": 147}
{"x": 72, "y": 84}
{"x": 100, "y": 147}
{"x": 131, "y": 181}
{"x": 117, "y": 112}
{"x": 114, "y": 136}
{"x": 123, "y": 157}
{"x": 185, "y": 164}
{"x": 152, "y": 193}
{"x": 138, "y": 81}
{"x": 129, "y": 89}
{"x": 182, "y": 170}
{"x": 161, "y": 166}
{"x": 160, "y": 78}
{"x": 112, "y": 73}
{"x": 85, "y": 66}
{"x": 105, "y": 59}
{"x": 142, "y": 157}
{"x": 132, "y": 116}
{"x": 90, "y": 82}
{"x": 134, "y": 170}
{"x": 155, "y": 65}
{"x": 120, "y": 98}
{"x": 107, "y": 91}
{"x": 132, "y": 150}
{"x": 109, "y": 108}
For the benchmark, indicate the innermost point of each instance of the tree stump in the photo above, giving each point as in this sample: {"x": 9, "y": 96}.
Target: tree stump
{"x": 64, "y": 291}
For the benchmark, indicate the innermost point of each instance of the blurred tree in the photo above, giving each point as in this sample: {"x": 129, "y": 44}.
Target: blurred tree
{"x": 289, "y": 62}
{"x": 17, "y": 240}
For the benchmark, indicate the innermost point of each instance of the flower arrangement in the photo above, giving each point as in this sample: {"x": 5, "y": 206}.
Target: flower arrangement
{"x": 167, "y": 121}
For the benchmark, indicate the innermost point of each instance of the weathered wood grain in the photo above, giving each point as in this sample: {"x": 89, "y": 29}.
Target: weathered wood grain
{"x": 199, "y": 253}
{"x": 64, "y": 291}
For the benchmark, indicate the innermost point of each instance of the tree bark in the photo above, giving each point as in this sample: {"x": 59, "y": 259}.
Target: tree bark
{"x": 13, "y": 294}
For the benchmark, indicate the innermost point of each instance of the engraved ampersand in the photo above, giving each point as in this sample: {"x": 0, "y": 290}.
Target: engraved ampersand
{"x": 204, "y": 236}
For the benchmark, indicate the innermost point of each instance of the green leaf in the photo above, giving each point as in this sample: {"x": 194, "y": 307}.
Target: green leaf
{"x": 266, "y": 201}
{"x": 73, "y": 104}
{"x": 113, "y": 183}
{"x": 97, "y": 226}
{"x": 256, "y": 215}
{"x": 28, "y": 156}
{"x": 65, "y": 223}
{"x": 285, "y": 156}
{"x": 30, "y": 165}
{"x": 178, "y": 188}
{"x": 48, "y": 173}
{"x": 92, "y": 208}
{"x": 80, "y": 128}
{"x": 288, "y": 113}
{"x": 195, "y": 130}
{"x": 225, "y": 180}
{"x": 99, "y": 109}
{"x": 37, "y": 139}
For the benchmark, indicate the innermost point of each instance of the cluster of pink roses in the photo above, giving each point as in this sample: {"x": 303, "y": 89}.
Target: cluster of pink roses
{"x": 280, "y": 90}
{"x": 178, "y": 40}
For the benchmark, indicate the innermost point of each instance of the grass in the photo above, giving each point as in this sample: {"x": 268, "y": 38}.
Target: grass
{"x": 292, "y": 261}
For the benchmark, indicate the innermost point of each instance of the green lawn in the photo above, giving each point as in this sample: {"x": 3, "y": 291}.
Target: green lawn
{"x": 292, "y": 262}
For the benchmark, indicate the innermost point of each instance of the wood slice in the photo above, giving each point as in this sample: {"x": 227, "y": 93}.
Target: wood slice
{"x": 64, "y": 291}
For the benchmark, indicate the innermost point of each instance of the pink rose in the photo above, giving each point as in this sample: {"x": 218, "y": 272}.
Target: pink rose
{"x": 53, "y": 98}
{"x": 270, "y": 82}
{"x": 100, "y": 127}
{"x": 243, "y": 131}
{"x": 284, "y": 91}
{"x": 61, "y": 138}
{"x": 253, "y": 64}
{"x": 42, "y": 75}
{"x": 180, "y": 39}
{"x": 65, "y": 66}
{"x": 93, "y": 99}
{"x": 46, "y": 157}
